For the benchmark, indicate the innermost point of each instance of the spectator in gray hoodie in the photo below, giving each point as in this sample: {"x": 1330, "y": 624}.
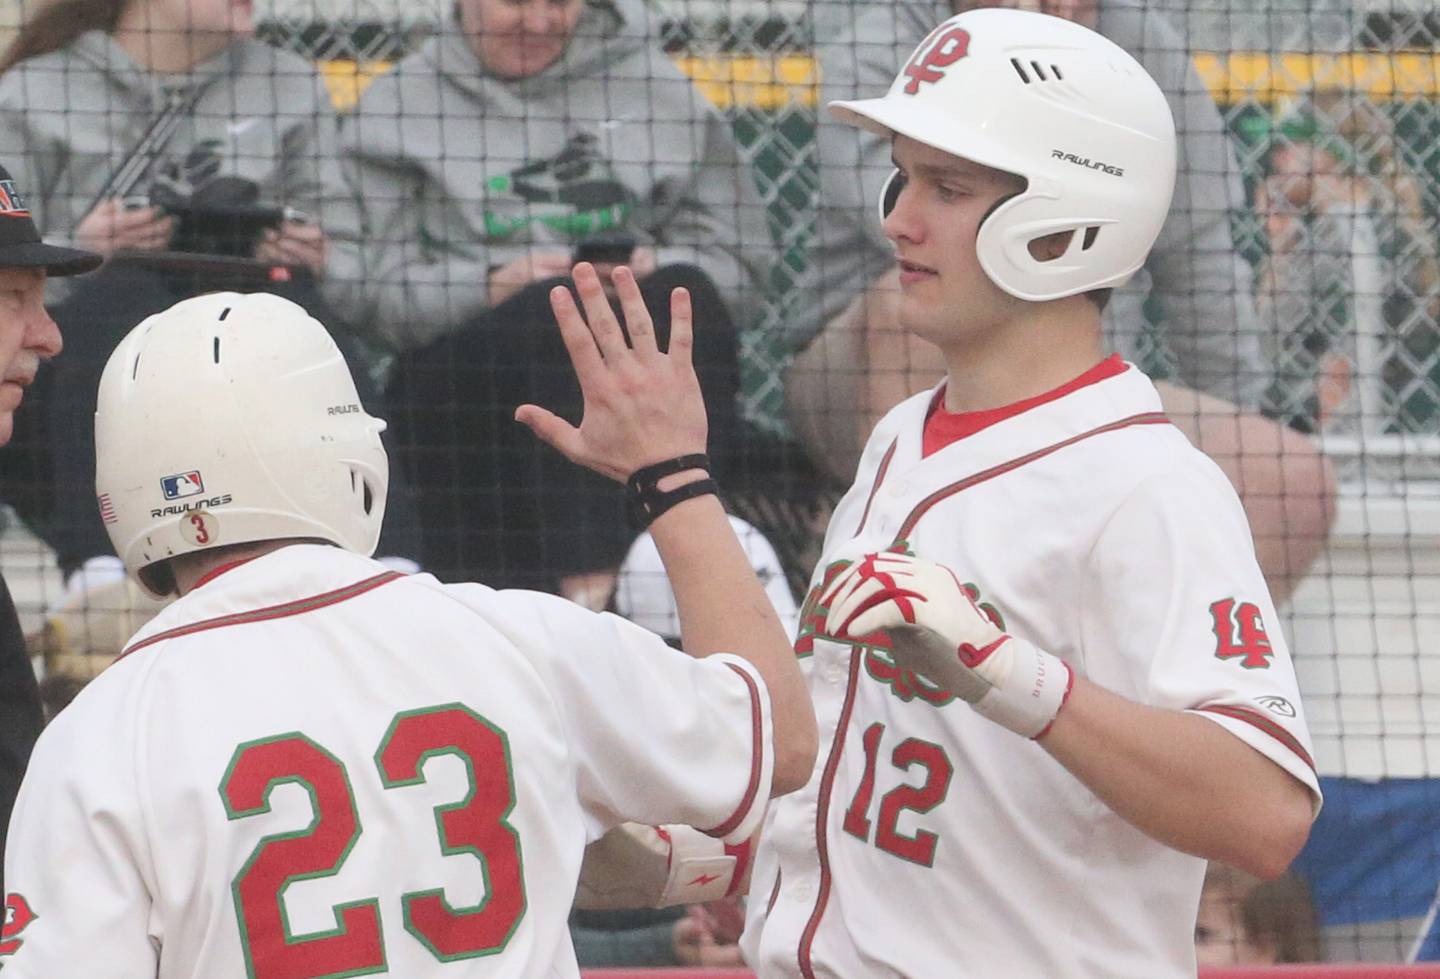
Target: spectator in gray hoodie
{"x": 472, "y": 176}
{"x": 119, "y": 117}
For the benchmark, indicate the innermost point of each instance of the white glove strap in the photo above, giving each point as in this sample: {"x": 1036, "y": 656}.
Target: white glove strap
{"x": 700, "y": 868}
{"x": 1032, "y": 693}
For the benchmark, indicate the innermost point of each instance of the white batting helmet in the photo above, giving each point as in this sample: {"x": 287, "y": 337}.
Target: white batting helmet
{"x": 1054, "y": 103}
{"x": 228, "y": 419}
{"x": 644, "y": 596}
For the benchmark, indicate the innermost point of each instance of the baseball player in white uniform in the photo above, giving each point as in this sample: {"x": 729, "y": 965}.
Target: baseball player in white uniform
{"x": 309, "y": 765}
{"x": 1046, "y": 668}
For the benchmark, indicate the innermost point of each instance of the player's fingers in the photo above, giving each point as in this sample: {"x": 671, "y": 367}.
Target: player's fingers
{"x": 879, "y": 612}
{"x": 603, "y": 325}
{"x": 579, "y": 341}
{"x": 552, "y": 430}
{"x": 637, "y": 317}
{"x": 842, "y": 597}
{"x": 867, "y": 595}
{"x": 845, "y": 585}
{"x": 682, "y": 326}
{"x": 896, "y": 565}
{"x": 830, "y": 594}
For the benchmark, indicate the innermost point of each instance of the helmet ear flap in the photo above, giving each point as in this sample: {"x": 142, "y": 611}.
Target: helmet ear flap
{"x": 890, "y": 192}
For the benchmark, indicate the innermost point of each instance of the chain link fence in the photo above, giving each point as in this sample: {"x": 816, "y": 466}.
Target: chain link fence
{"x": 1332, "y": 110}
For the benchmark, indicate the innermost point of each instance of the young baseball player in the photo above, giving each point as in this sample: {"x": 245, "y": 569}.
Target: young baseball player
{"x": 309, "y": 765}
{"x": 1047, "y": 672}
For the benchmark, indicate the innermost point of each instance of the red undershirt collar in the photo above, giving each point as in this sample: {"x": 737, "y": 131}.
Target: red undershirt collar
{"x": 944, "y": 427}
{"x": 220, "y": 569}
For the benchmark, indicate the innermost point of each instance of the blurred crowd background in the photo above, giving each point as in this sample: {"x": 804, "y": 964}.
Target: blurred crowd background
{"x": 418, "y": 173}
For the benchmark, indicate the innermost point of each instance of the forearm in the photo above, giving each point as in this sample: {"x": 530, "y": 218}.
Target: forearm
{"x": 724, "y": 608}
{"x": 1182, "y": 780}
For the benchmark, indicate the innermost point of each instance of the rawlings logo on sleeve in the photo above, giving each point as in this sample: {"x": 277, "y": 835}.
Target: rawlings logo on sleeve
{"x": 1240, "y": 634}
{"x": 17, "y": 918}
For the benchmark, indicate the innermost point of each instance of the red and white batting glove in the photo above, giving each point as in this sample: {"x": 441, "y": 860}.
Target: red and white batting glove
{"x": 937, "y": 631}
{"x": 640, "y": 866}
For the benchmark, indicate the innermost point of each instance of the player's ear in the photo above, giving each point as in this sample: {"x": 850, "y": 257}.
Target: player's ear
{"x": 159, "y": 578}
{"x": 1050, "y": 247}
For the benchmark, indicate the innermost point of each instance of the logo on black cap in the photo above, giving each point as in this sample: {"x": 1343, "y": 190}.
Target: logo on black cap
{"x": 11, "y": 203}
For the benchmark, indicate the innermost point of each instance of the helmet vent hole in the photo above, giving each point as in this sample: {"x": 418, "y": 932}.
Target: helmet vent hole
{"x": 1015, "y": 62}
{"x": 1048, "y": 248}
{"x": 1091, "y": 233}
{"x": 1055, "y": 70}
{"x": 216, "y": 350}
{"x": 1039, "y": 72}
{"x": 369, "y": 497}
{"x": 135, "y": 368}
{"x": 224, "y": 313}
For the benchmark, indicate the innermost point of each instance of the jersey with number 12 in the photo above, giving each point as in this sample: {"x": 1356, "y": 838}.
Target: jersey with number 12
{"x": 932, "y": 842}
{"x": 310, "y": 766}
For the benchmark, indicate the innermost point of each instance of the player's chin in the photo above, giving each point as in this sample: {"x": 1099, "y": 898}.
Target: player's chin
{"x": 919, "y": 315}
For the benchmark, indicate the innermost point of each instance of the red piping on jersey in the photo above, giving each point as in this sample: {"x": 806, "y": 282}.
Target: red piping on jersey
{"x": 774, "y": 894}
{"x": 742, "y": 852}
{"x": 827, "y": 786}
{"x": 879, "y": 478}
{"x": 270, "y": 612}
{"x": 1148, "y": 418}
{"x": 1259, "y": 720}
{"x": 757, "y": 754}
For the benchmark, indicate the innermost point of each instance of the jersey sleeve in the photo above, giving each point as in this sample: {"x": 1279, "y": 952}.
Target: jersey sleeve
{"x": 1179, "y": 616}
{"x": 78, "y": 903}
{"x": 658, "y": 736}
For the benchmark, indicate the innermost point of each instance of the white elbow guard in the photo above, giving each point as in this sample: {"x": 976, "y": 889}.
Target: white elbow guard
{"x": 637, "y": 866}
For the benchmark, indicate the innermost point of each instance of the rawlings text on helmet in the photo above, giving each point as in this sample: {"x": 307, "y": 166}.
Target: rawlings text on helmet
{"x": 179, "y": 508}
{"x": 1085, "y": 161}
{"x": 944, "y": 47}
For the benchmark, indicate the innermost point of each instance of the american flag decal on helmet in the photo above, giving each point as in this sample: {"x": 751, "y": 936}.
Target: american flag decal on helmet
{"x": 107, "y": 509}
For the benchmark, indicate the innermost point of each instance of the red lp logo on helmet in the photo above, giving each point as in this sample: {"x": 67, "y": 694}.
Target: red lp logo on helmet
{"x": 937, "y": 52}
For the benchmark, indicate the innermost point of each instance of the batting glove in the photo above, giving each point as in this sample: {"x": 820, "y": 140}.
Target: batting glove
{"x": 639, "y": 866}
{"x": 937, "y": 631}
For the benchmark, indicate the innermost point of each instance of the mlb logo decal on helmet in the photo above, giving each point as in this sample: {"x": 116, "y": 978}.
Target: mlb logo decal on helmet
{"x": 182, "y": 484}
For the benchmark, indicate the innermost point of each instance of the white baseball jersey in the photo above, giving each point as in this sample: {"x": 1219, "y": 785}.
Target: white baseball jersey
{"x": 932, "y": 842}
{"x": 311, "y": 766}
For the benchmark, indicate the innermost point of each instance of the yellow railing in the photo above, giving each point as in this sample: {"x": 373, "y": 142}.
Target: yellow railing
{"x": 771, "y": 82}
{"x": 1260, "y": 76}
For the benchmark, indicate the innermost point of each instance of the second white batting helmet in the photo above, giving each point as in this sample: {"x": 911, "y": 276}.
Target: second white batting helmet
{"x": 229, "y": 419}
{"x": 1059, "y": 105}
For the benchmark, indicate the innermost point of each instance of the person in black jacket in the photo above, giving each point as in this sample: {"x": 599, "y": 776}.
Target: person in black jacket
{"x": 27, "y": 336}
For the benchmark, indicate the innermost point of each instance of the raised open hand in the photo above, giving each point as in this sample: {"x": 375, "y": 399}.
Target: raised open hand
{"x": 642, "y": 406}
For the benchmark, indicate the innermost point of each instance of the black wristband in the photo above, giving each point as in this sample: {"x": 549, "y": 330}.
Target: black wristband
{"x": 648, "y": 501}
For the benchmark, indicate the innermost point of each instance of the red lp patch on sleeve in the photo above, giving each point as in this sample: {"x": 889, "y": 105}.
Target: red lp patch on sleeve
{"x": 18, "y": 916}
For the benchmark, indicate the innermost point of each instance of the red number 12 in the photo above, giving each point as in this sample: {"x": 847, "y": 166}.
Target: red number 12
{"x": 919, "y": 848}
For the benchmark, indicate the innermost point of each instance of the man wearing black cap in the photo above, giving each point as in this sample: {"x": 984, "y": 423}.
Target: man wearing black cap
{"x": 27, "y": 336}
